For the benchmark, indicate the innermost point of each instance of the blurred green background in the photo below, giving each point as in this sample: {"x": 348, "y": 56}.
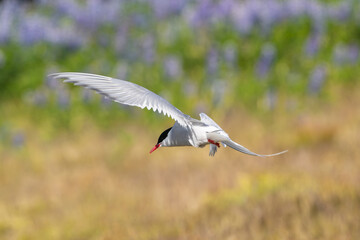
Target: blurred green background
{"x": 274, "y": 74}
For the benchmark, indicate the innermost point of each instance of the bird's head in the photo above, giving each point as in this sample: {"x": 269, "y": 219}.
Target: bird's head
{"x": 162, "y": 137}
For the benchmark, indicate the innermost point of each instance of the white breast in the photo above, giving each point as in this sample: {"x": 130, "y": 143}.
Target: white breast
{"x": 178, "y": 136}
{"x": 194, "y": 135}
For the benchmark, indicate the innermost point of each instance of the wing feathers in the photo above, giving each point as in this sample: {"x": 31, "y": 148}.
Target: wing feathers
{"x": 124, "y": 92}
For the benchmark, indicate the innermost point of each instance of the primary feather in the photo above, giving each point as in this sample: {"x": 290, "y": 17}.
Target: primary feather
{"x": 124, "y": 92}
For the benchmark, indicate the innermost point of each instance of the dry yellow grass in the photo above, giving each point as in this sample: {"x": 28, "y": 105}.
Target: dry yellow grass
{"x": 95, "y": 184}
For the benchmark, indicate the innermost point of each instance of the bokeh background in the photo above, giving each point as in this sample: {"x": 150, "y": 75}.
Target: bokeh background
{"x": 274, "y": 74}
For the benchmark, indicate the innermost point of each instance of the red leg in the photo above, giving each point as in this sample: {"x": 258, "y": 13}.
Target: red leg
{"x": 215, "y": 143}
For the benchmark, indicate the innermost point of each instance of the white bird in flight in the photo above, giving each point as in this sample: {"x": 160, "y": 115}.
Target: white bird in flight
{"x": 186, "y": 131}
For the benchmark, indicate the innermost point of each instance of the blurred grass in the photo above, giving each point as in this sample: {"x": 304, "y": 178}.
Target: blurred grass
{"x": 73, "y": 166}
{"x": 89, "y": 183}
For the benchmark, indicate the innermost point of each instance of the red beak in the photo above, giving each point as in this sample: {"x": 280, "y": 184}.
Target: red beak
{"x": 156, "y": 147}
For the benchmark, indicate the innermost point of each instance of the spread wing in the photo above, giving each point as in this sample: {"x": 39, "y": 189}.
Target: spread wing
{"x": 206, "y": 119}
{"x": 124, "y": 92}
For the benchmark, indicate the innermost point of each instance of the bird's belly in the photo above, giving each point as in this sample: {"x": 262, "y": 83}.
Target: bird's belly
{"x": 180, "y": 136}
{"x": 200, "y": 138}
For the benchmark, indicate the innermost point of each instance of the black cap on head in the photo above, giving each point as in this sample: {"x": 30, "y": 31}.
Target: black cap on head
{"x": 163, "y": 135}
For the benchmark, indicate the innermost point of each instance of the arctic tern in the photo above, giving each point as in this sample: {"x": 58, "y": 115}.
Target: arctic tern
{"x": 186, "y": 131}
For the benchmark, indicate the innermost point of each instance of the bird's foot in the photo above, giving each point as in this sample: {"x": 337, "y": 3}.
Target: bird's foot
{"x": 215, "y": 143}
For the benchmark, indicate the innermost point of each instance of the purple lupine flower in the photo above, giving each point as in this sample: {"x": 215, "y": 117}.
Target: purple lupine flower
{"x": 72, "y": 38}
{"x": 36, "y": 98}
{"x": 230, "y": 54}
{"x": 341, "y": 11}
{"x": 63, "y": 98}
{"x": 346, "y": 54}
{"x": 190, "y": 88}
{"x": 139, "y": 20}
{"x": 122, "y": 71}
{"x": 165, "y": 8}
{"x": 316, "y": 11}
{"x": 173, "y": 66}
{"x": 219, "y": 89}
{"x": 312, "y": 45}
{"x": 88, "y": 16}
{"x": 66, "y": 35}
{"x": 51, "y": 83}
{"x": 7, "y": 14}
{"x": 36, "y": 28}
{"x": 223, "y": 8}
{"x": 271, "y": 99}
{"x": 112, "y": 9}
{"x": 86, "y": 95}
{"x": 339, "y": 54}
{"x": 91, "y": 16}
{"x": 208, "y": 12}
{"x": 68, "y": 8}
{"x": 266, "y": 60}
{"x": 269, "y": 13}
{"x": 18, "y": 140}
{"x": 148, "y": 49}
{"x": 317, "y": 79}
{"x": 220, "y": 11}
{"x": 242, "y": 17}
{"x": 353, "y": 53}
{"x": 132, "y": 52}
{"x": 33, "y": 29}
{"x": 121, "y": 38}
{"x": 212, "y": 62}
{"x": 189, "y": 16}
{"x": 202, "y": 13}
{"x": 295, "y": 8}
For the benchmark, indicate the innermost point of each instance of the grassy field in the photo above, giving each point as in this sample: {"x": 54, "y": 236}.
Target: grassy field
{"x": 274, "y": 74}
{"x": 92, "y": 183}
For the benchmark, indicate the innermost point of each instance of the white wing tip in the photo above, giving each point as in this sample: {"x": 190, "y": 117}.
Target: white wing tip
{"x": 274, "y": 154}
